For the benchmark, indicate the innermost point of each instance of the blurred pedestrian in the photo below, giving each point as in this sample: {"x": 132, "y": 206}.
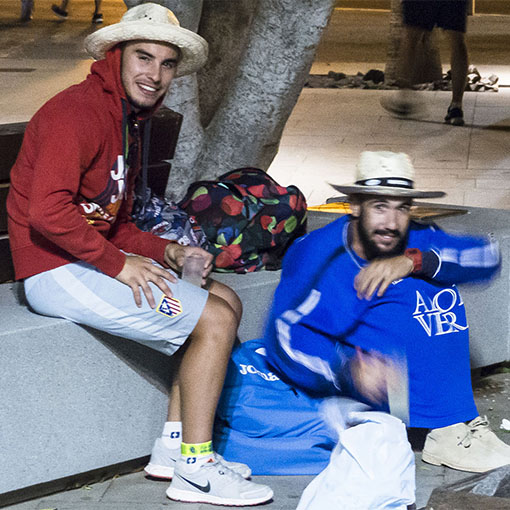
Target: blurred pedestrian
{"x": 419, "y": 19}
{"x": 61, "y": 11}
{"x": 27, "y": 7}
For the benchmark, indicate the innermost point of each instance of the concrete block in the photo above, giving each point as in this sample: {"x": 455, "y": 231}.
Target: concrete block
{"x": 256, "y": 293}
{"x": 490, "y": 491}
{"x": 488, "y": 304}
{"x": 73, "y": 399}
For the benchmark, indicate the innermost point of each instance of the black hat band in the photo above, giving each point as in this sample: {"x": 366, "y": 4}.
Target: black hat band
{"x": 392, "y": 182}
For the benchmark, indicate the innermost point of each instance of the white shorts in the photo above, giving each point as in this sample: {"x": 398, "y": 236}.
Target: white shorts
{"x": 81, "y": 293}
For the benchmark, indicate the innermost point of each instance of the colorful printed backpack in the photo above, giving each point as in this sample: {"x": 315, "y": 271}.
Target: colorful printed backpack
{"x": 248, "y": 219}
{"x": 164, "y": 218}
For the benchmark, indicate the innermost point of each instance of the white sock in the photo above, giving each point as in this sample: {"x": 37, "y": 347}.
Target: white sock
{"x": 172, "y": 434}
{"x": 192, "y": 464}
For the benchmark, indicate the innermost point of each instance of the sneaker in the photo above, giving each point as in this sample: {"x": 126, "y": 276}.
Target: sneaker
{"x": 27, "y": 7}
{"x": 59, "y": 12}
{"x": 163, "y": 459}
{"x": 215, "y": 483}
{"x": 97, "y": 18}
{"x": 469, "y": 447}
{"x": 404, "y": 103}
{"x": 454, "y": 116}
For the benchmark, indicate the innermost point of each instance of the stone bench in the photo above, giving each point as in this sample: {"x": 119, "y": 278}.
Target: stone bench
{"x": 76, "y": 401}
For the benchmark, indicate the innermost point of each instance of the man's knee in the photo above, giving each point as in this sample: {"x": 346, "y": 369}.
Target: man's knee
{"x": 228, "y": 295}
{"x": 218, "y": 319}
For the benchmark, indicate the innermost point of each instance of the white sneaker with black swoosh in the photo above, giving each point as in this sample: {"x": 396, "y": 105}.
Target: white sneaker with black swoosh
{"x": 215, "y": 483}
{"x": 163, "y": 459}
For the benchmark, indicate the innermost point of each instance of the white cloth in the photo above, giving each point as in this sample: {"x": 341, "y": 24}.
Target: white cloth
{"x": 372, "y": 466}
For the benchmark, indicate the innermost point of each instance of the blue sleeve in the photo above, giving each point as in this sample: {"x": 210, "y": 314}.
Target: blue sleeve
{"x": 461, "y": 259}
{"x": 304, "y": 263}
{"x": 308, "y": 339}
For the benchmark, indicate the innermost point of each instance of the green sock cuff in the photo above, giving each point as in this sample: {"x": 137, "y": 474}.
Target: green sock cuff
{"x": 196, "y": 450}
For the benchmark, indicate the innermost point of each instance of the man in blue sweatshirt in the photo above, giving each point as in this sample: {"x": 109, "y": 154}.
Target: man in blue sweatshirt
{"x": 345, "y": 306}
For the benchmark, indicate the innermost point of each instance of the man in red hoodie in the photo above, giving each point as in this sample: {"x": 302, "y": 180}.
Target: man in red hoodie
{"x": 83, "y": 259}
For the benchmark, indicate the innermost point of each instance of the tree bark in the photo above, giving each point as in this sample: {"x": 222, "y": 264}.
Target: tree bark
{"x": 262, "y": 51}
{"x": 391, "y": 71}
{"x": 234, "y": 112}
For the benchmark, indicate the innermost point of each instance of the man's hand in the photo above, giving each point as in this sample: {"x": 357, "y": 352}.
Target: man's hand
{"x": 372, "y": 374}
{"x": 138, "y": 272}
{"x": 175, "y": 255}
{"x": 378, "y": 275}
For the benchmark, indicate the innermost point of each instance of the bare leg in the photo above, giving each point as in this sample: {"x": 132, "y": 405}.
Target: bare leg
{"x": 203, "y": 368}
{"x": 174, "y": 405}
{"x": 405, "y": 101}
{"x": 27, "y": 8}
{"x": 411, "y": 36}
{"x": 231, "y": 298}
{"x": 459, "y": 65}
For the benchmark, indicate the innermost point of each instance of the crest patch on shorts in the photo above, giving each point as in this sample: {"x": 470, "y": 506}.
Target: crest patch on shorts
{"x": 169, "y": 306}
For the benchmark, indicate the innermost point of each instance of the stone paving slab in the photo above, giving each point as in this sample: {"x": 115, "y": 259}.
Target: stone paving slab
{"x": 490, "y": 491}
{"x": 135, "y": 492}
{"x": 327, "y": 130}
{"x": 445, "y": 500}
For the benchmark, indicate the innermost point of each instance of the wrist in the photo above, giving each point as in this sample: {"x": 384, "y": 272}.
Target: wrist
{"x": 415, "y": 255}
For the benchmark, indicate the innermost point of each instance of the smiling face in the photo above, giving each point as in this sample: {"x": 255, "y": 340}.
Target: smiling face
{"x": 380, "y": 226}
{"x": 148, "y": 69}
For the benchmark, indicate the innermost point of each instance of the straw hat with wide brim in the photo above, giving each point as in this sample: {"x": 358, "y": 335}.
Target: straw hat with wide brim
{"x": 151, "y": 22}
{"x": 385, "y": 173}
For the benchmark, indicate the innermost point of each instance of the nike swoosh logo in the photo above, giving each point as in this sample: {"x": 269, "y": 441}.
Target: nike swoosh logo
{"x": 203, "y": 488}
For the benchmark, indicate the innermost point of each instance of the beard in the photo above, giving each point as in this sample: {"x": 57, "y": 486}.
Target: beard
{"x": 139, "y": 107}
{"x": 372, "y": 251}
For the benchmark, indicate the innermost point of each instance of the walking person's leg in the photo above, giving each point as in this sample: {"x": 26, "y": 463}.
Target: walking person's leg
{"x": 97, "y": 16}
{"x": 459, "y": 71}
{"x": 452, "y": 18}
{"x": 60, "y": 10}
{"x": 418, "y": 22}
{"x": 27, "y": 8}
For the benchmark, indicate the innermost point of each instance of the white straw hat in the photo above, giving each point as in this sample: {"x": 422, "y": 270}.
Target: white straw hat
{"x": 151, "y": 22}
{"x": 385, "y": 173}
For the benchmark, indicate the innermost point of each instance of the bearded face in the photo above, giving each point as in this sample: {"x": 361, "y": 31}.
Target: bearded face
{"x": 382, "y": 226}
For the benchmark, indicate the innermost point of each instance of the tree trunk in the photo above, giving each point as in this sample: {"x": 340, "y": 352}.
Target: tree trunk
{"x": 391, "y": 70}
{"x": 260, "y": 56}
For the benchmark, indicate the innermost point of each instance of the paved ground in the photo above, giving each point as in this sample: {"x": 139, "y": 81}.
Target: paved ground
{"x": 324, "y": 136}
{"x": 135, "y": 492}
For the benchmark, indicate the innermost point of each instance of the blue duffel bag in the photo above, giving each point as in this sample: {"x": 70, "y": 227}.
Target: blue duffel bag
{"x": 267, "y": 424}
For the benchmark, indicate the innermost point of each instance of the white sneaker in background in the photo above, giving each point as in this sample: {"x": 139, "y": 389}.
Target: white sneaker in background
{"x": 162, "y": 462}
{"x": 469, "y": 447}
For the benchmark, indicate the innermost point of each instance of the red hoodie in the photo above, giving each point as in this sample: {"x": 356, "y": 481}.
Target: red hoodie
{"x": 71, "y": 193}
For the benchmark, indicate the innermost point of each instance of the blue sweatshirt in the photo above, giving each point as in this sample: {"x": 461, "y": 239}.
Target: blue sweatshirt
{"x": 317, "y": 320}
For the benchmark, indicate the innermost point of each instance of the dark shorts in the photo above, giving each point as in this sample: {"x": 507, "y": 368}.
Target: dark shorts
{"x": 426, "y": 14}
